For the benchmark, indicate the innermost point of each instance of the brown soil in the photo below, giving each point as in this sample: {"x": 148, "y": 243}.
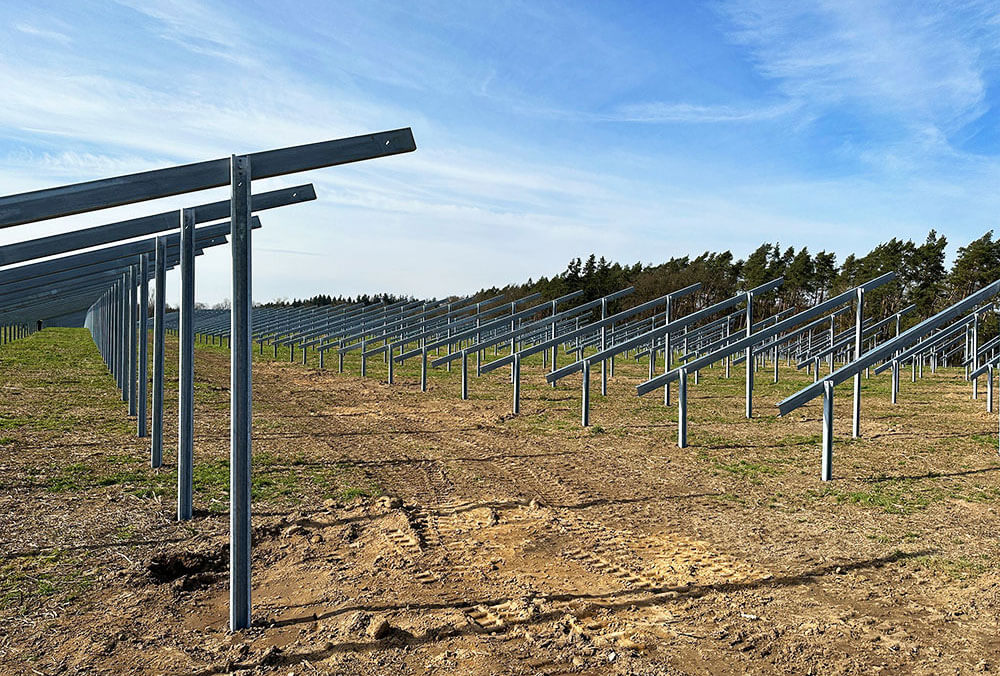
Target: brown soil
{"x": 405, "y": 532}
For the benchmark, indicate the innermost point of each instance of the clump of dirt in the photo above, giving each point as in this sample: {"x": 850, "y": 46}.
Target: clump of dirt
{"x": 266, "y": 531}
{"x": 189, "y": 570}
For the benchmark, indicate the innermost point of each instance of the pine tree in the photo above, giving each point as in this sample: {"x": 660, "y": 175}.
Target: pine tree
{"x": 800, "y": 282}
{"x": 755, "y": 270}
{"x": 976, "y": 265}
{"x": 929, "y": 274}
{"x": 824, "y": 274}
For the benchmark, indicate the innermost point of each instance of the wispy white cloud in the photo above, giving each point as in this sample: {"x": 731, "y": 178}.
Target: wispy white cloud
{"x": 47, "y": 34}
{"x": 661, "y": 112}
{"x": 664, "y": 112}
{"x": 197, "y": 26}
{"x": 916, "y": 62}
{"x": 117, "y": 114}
{"x": 292, "y": 252}
{"x": 72, "y": 163}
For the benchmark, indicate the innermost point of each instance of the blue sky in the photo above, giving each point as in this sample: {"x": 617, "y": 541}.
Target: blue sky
{"x": 545, "y": 131}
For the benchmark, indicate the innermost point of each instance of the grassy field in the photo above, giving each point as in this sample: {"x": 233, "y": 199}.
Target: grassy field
{"x": 492, "y": 543}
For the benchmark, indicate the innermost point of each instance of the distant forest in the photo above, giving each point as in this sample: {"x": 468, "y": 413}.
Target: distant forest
{"x": 922, "y": 278}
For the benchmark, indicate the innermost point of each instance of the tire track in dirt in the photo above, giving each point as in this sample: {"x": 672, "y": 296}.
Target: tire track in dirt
{"x": 657, "y": 565}
{"x": 483, "y": 618}
{"x": 437, "y": 546}
{"x": 650, "y": 561}
{"x": 598, "y": 548}
{"x": 433, "y": 550}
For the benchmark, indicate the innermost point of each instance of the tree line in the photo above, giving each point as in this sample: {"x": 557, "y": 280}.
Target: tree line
{"x": 326, "y": 299}
{"x": 922, "y": 278}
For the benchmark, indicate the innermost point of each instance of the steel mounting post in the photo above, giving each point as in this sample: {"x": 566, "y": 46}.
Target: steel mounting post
{"x": 133, "y": 366}
{"x": 682, "y": 408}
{"x": 858, "y": 328}
{"x": 185, "y": 395}
{"x": 240, "y": 369}
{"x": 159, "y": 335}
{"x": 143, "y": 309}
{"x": 827, "y": 463}
{"x": 749, "y": 357}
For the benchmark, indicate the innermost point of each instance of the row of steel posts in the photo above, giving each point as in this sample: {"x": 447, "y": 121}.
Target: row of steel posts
{"x": 120, "y": 316}
{"x": 11, "y": 332}
{"x": 119, "y": 325}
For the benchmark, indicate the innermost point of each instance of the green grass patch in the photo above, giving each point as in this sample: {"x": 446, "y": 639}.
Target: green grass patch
{"x": 143, "y": 482}
{"x": 893, "y": 496}
{"x": 11, "y": 423}
{"x": 72, "y": 477}
{"x": 959, "y": 568}
{"x": 27, "y": 582}
{"x": 752, "y": 471}
{"x": 348, "y": 494}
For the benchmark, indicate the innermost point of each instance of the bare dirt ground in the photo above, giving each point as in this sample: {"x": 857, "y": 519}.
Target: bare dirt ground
{"x": 406, "y": 532}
